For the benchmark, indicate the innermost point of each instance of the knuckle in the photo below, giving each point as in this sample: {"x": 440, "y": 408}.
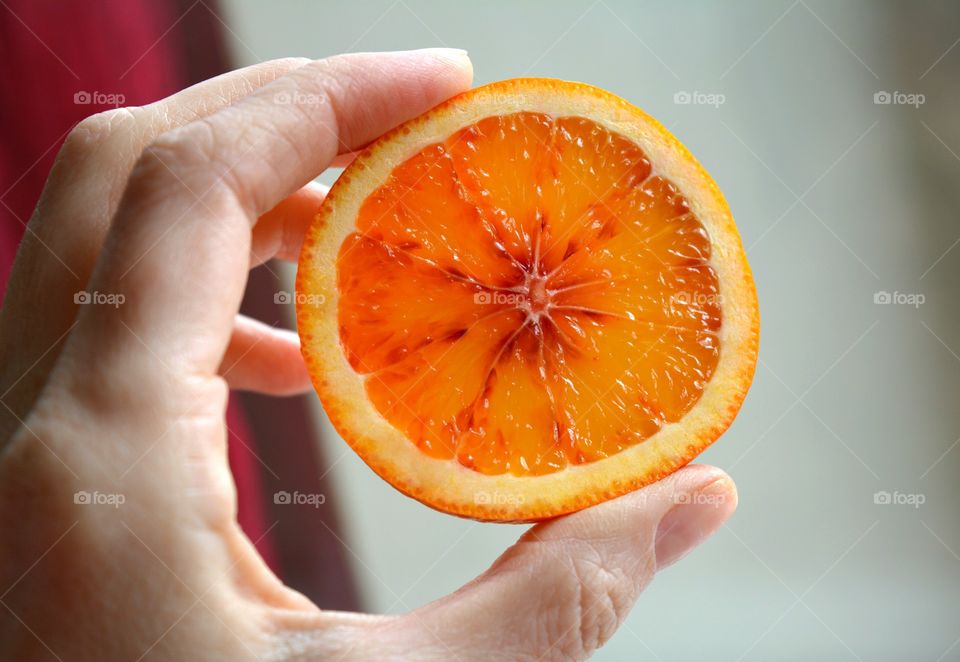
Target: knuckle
{"x": 151, "y": 171}
{"x": 181, "y": 147}
{"x": 101, "y": 129}
{"x": 285, "y": 64}
{"x": 184, "y": 169}
{"x": 177, "y": 159}
{"x": 604, "y": 600}
{"x": 590, "y": 602}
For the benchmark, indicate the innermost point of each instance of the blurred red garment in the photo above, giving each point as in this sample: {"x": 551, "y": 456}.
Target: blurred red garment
{"x": 66, "y": 59}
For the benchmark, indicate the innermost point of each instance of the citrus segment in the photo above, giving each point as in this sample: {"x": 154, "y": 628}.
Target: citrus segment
{"x": 547, "y": 244}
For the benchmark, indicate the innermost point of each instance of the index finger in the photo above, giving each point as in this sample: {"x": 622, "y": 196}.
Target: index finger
{"x": 63, "y": 239}
{"x": 178, "y": 249}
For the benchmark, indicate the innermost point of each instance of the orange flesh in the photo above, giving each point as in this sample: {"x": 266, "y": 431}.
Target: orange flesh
{"x": 528, "y": 295}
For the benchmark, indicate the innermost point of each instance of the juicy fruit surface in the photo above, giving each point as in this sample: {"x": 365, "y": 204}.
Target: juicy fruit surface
{"x": 528, "y": 295}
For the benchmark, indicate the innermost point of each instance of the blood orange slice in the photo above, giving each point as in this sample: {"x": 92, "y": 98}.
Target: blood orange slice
{"x": 531, "y": 299}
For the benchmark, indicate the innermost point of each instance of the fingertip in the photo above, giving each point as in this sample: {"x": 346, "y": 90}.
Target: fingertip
{"x": 696, "y": 514}
{"x": 264, "y": 359}
{"x": 279, "y": 232}
{"x": 373, "y": 92}
{"x": 587, "y": 568}
{"x": 443, "y": 73}
{"x": 700, "y": 474}
{"x": 455, "y": 62}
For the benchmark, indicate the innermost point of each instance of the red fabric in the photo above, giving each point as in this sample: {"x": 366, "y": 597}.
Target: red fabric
{"x": 64, "y": 60}
{"x": 52, "y": 51}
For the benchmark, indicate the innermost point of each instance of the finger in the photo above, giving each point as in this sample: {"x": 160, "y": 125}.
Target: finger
{"x": 63, "y": 240}
{"x": 170, "y": 238}
{"x": 279, "y": 233}
{"x": 264, "y": 359}
{"x": 92, "y": 168}
{"x": 565, "y": 587}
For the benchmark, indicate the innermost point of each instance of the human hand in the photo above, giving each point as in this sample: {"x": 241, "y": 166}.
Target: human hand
{"x": 166, "y": 208}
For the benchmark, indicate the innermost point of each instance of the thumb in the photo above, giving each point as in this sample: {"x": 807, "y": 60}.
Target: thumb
{"x": 563, "y": 589}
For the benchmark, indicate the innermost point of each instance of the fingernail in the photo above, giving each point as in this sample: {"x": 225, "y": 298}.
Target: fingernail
{"x": 694, "y": 518}
{"x": 449, "y": 53}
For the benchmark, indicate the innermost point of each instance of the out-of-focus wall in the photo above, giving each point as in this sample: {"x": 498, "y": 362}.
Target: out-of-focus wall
{"x": 840, "y": 197}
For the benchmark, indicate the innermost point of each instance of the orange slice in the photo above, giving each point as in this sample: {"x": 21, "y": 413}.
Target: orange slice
{"x": 526, "y": 301}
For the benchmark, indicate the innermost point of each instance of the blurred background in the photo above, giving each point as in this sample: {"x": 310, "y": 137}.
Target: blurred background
{"x": 832, "y": 127}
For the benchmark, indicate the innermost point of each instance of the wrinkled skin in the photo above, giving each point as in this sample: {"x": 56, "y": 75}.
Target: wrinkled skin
{"x": 170, "y": 205}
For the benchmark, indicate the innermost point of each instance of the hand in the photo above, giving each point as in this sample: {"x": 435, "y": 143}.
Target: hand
{"x": 165, "y": 208}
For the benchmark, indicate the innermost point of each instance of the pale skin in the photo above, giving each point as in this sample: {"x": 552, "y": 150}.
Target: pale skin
{"x": 170, "y": 205}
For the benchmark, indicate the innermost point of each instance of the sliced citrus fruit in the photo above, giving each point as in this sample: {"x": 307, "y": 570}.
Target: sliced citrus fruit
{"x": 526, "y": 301}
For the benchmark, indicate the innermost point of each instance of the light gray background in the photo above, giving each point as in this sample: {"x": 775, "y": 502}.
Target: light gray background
{"x": 837, "y": 198}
